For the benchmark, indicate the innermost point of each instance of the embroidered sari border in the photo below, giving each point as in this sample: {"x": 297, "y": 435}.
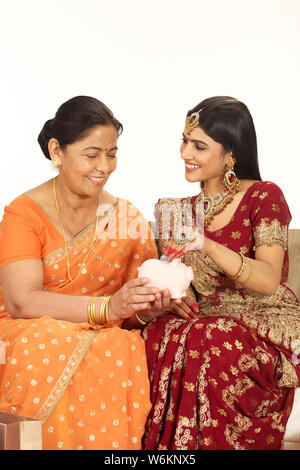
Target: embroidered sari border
{"x": 81, "y": 235}
{"x": 65, "y": 377}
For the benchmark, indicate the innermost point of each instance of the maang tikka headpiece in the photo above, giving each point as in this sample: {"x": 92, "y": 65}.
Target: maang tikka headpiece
{"x": 192, "y": 121}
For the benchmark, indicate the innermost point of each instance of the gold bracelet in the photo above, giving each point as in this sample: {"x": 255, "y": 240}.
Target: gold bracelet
{"x": 242, "y": 268}
{"x": 142, "y": 322}
{"x": 91, "y": 313}
{"x": 106, "y": 316}
{"x": 250, "y": 272}
{"x": 91, "y": 310}
{"x": 103, "y": 313}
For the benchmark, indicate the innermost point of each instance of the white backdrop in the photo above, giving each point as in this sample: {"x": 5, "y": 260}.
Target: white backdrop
{"x": 149, "y": 62}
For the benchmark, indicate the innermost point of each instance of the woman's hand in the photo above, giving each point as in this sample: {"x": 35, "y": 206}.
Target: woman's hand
{"x": 133, "y": 297}
{"x": 195, "y": 241}
{"x": 161, "y": 305}
{"x": 186, "y": 308}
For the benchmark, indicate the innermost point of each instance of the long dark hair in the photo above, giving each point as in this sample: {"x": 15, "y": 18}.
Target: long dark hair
{"x": 229, "y": 122}
{"x": 73, "y": 118}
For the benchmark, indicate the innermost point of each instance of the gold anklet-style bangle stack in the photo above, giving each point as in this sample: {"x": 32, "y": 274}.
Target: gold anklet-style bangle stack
{"x": 92, "y": 310}
{"x": 103, "y": 314}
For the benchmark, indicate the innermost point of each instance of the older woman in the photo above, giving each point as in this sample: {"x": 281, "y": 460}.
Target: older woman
{"x": 69, "y": 253}
{"x": 225, "y": 380}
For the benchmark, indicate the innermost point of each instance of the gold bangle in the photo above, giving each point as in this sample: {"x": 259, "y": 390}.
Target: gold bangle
{"x": 106, "y": 316}
{"x": 250, "y": 272}
{"x": 242, "y": 268}
{"x": 103, "y": 313}
{"x": 142, "y": 322}
{"x": 92, "y": 311}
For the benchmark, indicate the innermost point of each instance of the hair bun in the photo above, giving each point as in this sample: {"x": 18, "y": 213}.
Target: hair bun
{"x": 44, "y": 136}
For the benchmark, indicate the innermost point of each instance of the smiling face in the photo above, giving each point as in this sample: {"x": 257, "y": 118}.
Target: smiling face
{"x": 86, "y": 164}
{"x": 204, "y": 157}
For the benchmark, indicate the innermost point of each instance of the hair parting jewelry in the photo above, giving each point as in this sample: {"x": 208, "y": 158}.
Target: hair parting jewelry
{"x": 142, "y": 322}
{"x": 192, "y": 121}
{"x": 241, "y": 269}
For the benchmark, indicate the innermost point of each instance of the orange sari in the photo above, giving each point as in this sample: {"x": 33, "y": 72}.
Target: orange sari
{"x": 88, "y": 386}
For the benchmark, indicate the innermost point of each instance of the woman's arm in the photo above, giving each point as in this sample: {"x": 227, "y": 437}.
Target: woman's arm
{"x": 265, "y": 271}
{"x": 24, "y": 297}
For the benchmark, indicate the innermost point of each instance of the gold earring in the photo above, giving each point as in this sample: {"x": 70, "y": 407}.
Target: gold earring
{"x": 230, "y": 162}
{"x": 56, "y": 162}
{"x": 231, "y": 182}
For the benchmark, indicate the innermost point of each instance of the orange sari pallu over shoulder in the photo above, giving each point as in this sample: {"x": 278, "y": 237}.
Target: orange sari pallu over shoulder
{"x": 88, "y": 386}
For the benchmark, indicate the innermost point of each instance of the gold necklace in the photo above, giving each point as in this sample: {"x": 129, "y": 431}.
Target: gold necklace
{"x": 213, "y": 205}
{"x": 83, "y": 264}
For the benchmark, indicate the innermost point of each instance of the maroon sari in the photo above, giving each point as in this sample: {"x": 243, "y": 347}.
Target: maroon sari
{"x": 226, "y": 380}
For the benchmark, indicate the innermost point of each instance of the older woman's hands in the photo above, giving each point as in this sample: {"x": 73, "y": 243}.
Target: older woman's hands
{"x": 184, "y": 308}
{"x": 133, "y": 297}
{"x": 161, "y": 305}
{"x": 148, "y": 302}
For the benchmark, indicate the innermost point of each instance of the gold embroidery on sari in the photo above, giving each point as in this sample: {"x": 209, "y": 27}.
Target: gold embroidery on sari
{"x": 76, "y": 243}
{"x": 170, "y": 414}
{"x": 247, "y": 362}
{"x": 73, "y": 246}
{"x": 182, "y": 436}
{"x": 231, "y": 393}
{"x": 205, "y": 418}
{"x": 271, "y": 234}
{"x": 263, "y": 409}
{"x": 275, "y": 317}
{"x": 277, "y": 417}
{"x": 289, "y": 377}
{"x": 66, "y": 375}
{"x": 232, "y": 434}
{"x": 243, "y": 422}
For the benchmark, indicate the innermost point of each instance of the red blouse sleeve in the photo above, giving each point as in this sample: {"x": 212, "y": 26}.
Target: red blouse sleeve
{"x": 270, "y": 216}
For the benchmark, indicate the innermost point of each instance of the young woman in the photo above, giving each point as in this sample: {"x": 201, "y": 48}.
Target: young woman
{"x": 226, "y": 379}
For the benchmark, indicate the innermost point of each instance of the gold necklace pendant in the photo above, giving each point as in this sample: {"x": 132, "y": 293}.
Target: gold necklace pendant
{"x": 213, "y": 205}
{"x": 82, "y": 268}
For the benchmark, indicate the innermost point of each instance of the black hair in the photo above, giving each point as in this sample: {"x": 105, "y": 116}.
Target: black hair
{"x": 229, "y": 122}
{"x": 73, "y": 118}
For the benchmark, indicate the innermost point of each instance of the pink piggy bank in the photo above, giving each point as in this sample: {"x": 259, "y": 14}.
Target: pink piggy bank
{"x": 175, "y": 276}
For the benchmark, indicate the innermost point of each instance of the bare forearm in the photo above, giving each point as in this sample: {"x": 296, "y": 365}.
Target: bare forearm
{"x": 62, "y": 307}
{"x": 263, "y": 280}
